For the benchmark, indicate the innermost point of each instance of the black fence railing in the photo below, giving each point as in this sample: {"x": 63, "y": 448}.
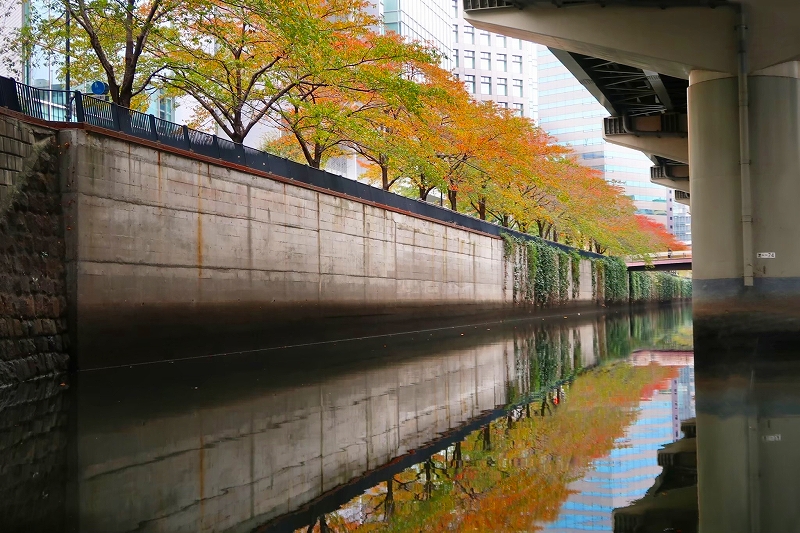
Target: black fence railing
{"x": 73, "y": 106}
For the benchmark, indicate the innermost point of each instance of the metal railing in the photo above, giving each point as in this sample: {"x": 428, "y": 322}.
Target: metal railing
{"x": 73, "y": 106}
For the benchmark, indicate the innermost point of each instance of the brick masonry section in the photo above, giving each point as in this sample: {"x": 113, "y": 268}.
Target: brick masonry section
{"x": 34, "y": 436}
{"x": 33, "y": 306}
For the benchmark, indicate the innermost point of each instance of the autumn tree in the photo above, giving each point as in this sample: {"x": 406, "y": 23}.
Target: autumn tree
{"x": 367, "y": 79}
{"x": 238, "y": 60}
{"x": 109, "y": 40}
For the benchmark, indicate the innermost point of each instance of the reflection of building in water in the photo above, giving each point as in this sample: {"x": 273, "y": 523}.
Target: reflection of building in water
{"x": 629, "y": 470}
{"x": 682, "y": 390}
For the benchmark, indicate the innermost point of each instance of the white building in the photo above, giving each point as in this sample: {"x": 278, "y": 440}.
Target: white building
{"x": 494, "y": 67}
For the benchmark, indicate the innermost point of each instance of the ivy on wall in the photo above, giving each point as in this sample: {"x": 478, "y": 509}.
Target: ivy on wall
{"x": 563, "y": 276}
{"x": 616, "y": 279}
{"x": 659, "y": 286}
{"x": 543, "y": 274}
{"x": 575, "y": 265}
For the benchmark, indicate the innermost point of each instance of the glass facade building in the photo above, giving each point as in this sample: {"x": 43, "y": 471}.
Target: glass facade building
{"x": 427, "y": 21}
{"x": 572, "y": 115}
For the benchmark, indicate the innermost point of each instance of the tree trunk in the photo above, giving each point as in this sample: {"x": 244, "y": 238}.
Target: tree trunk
{"x": 389, "y": 508}
{"x": 316, "y": 162}
{"x": 452, "y": 197}
{"x": 482, "y": 208}
{"x": 457, "y": 462}
{"x": 423, "y": 192}
{"x": 384, "y": 176}
{"x": 428, "y": 480}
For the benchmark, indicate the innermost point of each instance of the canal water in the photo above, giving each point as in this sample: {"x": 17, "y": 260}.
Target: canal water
{"x": 539, "y": 424}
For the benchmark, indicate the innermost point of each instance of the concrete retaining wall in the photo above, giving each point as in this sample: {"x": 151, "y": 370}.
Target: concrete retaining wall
{"x": 162, "y": 243}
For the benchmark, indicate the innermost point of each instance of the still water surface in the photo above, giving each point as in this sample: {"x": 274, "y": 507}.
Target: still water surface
{"x": 515, "y": 426}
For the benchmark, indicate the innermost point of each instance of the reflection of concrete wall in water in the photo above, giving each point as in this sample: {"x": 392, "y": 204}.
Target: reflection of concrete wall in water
{"x": 157, "y": 232}
{"x": 236, "y": 466}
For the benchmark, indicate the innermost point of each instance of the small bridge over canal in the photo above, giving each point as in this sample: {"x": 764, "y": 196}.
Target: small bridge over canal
{"x": 665, "y": 261}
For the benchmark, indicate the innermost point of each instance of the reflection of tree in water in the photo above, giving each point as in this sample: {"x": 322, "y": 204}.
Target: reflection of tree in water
{"x": 546, "y": 355}
{"x": 511, "y": 474}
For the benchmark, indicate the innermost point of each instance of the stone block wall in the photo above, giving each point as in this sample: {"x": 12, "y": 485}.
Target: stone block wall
{"x": 33, "y": 339}
{"x": 34, "y": 437}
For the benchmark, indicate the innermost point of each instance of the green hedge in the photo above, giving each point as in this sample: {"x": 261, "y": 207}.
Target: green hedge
{"x": 542, "y": 276}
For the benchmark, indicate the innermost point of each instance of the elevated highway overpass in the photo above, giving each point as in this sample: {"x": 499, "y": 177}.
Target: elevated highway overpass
{"x": 710, "y": 89}
{"x": 674, "y": 75}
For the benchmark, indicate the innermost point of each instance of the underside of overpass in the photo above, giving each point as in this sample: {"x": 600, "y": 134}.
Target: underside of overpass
{"x": 710, "y": 90}
{"x": 648, "y": 113}
{"x": 648, "y": 109}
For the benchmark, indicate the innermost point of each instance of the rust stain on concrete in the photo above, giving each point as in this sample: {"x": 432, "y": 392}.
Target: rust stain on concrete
{"x": 199, "y": 229}
{"x": 159, "y": 177}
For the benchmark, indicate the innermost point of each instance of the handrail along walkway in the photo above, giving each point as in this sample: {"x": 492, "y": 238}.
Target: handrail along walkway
{"x": 73, "y": 106}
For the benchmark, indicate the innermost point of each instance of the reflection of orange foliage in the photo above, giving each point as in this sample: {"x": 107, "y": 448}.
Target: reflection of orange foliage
{"x": 664, "y": 384}
{"x": 513, "y": 475}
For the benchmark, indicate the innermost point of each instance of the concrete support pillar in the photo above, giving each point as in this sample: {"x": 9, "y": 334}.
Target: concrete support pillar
{"x": 716, "y": 193}
{"x": 743, "y": 334}
{"x": 716, "y": 184}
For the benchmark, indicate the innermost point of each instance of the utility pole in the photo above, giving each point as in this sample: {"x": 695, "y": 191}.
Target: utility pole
{"x": 67, "y": 65}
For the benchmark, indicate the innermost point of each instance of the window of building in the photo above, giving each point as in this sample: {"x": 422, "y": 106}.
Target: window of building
{"x": 455, "y": 57}
{"x": 519, "y": 109}
{"x": 516, "y": 64}
{"x": 500, "y": 41}
{"x": 165, "y": 108}
{"x": 455, "y": 33}
{"x": 502, "y": 62}
{"x": 517, "y": 88}
{"x": 484, "y": 39}
{"x": 486, "y": 60}
{"x": 502, "y": 87}
{"x": 469, "y": 83}
{"x": 455, "y": 8}
{"x": 469, "y": 58}
{"x": 469, "y": 35}
{"x": 516, "y": 44}
{"x": 486, "y": 85}
{"x": 504, "y": 105}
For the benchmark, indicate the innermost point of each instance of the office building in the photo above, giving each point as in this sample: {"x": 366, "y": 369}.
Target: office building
{"x": 572, "y": 115}
{"x": 493, "y": 67}
{"x": 427, "y": 21}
